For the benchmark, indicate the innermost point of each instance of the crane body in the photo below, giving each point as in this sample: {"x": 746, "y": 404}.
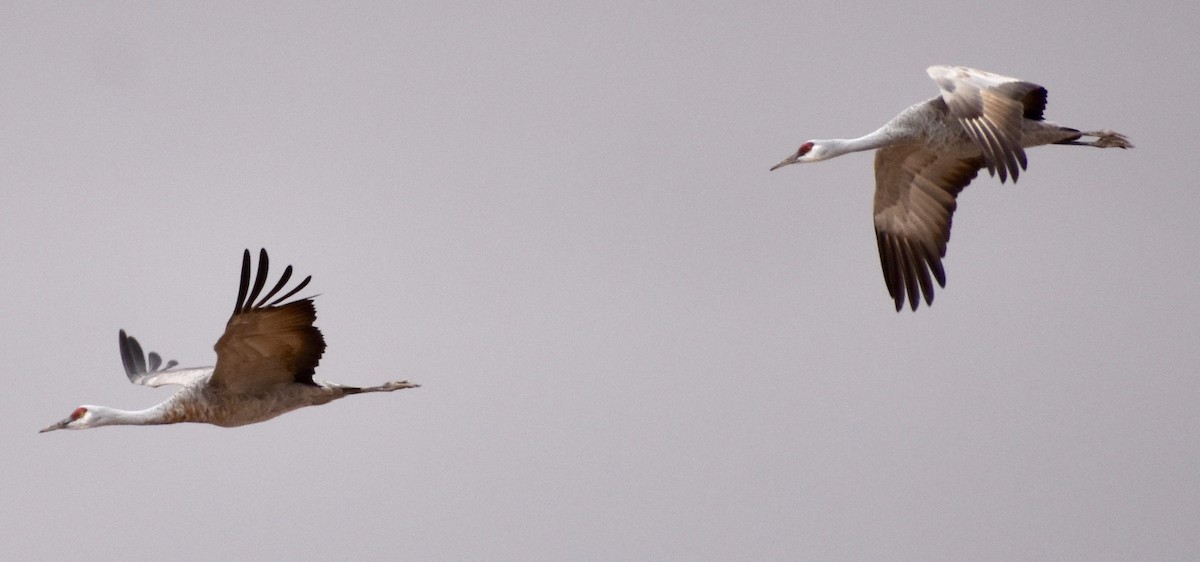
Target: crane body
{"x": 928, "y": 153}
{"x": 265, "y": 364}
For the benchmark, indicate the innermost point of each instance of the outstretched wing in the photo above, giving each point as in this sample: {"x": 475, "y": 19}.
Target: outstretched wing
{"x": 990, "y": 108}
{"x": 915, "y": 191}
{"x": 266, "y": 344}
{"x": 149, "y": 370}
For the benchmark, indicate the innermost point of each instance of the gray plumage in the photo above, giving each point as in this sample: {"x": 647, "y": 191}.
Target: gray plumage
{"x": 265, "y": 364}
{"x": 929, "y": 152}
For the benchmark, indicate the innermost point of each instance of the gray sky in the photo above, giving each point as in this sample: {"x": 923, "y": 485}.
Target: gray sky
{"x": 634, "y": 341}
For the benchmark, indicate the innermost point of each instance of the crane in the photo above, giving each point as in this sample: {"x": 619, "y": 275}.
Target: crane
{"x": 929, "y": 152}
{"x": 265, "y": 364}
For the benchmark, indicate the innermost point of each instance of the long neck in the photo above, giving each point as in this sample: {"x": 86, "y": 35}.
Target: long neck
{"x": 870, "y": 141}
{"x": 150, "y": 416}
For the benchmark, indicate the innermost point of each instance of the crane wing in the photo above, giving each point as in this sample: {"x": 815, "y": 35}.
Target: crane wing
{"x": 267, "y": 344}
{"x": 149, "y": 370}
{"x": 915, "y": 191}
{"x": 991, "y": 108}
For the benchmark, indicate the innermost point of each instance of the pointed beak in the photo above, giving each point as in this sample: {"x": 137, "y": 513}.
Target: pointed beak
{"x": 789, "y": 160}
{"x": 58, "y": 425}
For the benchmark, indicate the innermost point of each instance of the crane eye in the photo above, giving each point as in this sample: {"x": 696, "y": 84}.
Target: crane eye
{"x": 804, "y": 148}
{"x": 78, "y": 413}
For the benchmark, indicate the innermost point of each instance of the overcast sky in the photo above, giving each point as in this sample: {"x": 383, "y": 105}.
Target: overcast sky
{"x": 634, "y": 341}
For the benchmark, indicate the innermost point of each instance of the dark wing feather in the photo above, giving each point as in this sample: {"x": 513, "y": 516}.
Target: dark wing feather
{"x": 132, "y": 356}
{"x": 245, "y": 283}
{"x": 1034, "y": 102}
{"x": 991, "y": 109}
{"x": 302, "y": 285}
{"x": 283, "y": 279}
{"x": 915, "y": 191}
{"x": 154, "y": 374}
{"x": 266, "y": 346}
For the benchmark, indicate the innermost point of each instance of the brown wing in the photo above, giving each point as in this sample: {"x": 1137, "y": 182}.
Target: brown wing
{"x": 991, "y": 109}
{"x": 267, "y": 344}
{"x": 915, "y": 192}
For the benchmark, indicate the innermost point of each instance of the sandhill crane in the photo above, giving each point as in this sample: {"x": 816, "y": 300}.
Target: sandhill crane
{"x": 265, "y": 365}
{"x": 931, "y": 151}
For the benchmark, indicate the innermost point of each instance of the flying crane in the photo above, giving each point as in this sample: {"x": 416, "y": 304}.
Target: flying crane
{"x": 929, "y": 152}
{"x": 265, "y": 364}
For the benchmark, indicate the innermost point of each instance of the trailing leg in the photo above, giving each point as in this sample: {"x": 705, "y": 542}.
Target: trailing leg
{"x": 385, "y": 387}
{"x": 1104, "y": 139}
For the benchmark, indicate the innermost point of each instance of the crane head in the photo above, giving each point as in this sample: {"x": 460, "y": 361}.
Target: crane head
{"x": 82, "y": 418}
{"x": 810, "y": 151}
